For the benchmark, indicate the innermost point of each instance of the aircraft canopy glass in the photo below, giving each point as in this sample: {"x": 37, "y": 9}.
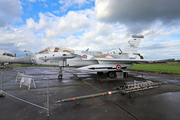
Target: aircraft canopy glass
{"x": 67, "y": 50}
{"x": 8, "y": 54}
{"x": 43, "y": 51}
{"x": 55, "y": 49}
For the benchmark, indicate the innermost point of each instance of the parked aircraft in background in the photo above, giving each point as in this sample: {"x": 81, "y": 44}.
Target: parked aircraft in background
{"x": 86, "y": 60}
{"x": 5, "y": 57}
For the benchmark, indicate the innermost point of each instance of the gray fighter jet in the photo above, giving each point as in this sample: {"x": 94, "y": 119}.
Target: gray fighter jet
{"x": 86, "y": 60}
{"x": 56, "y": 56}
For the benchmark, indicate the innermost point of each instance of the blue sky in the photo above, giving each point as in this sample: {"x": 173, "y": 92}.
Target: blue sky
{"x": 100, "y": 25}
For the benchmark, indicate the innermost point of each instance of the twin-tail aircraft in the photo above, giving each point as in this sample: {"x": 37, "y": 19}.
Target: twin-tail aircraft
{"x": 110, "y": 63}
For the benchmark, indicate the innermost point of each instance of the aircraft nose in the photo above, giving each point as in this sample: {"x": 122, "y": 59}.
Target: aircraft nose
{"x": 23, "y": 60}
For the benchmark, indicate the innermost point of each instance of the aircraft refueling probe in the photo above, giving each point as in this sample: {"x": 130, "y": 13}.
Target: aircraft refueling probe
{"x": 125, "y": 89}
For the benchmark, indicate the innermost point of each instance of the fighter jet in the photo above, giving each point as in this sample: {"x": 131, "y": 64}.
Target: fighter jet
{"x": 118, "y": 60}
{"x": 56, "y": 56}
{"x": 5, "y": 57}
{"x": 84, "y": 60}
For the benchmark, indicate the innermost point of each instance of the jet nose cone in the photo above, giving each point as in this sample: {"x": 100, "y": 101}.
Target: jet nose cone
{"x": 23, "y": 60}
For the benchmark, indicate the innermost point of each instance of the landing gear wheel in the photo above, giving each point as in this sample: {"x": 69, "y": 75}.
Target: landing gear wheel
{"x": 131, "y": 94}
{"x": 111, "y": 74}
{"x": 99, "y": 73}
{"x": 60, "y": 73}
{"x": 59, "y": 76}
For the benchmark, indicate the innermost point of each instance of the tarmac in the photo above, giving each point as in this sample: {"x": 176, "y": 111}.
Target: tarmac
{"x": 160, "y": 103}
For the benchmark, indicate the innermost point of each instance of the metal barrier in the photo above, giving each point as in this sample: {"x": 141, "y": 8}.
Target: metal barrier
{"x": 17, "y": 68}
{"x": 9, "y": 78}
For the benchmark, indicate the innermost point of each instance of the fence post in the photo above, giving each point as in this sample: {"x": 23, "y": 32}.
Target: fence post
{"x": 2, "y": 76}
{"x": 47, "y": 97}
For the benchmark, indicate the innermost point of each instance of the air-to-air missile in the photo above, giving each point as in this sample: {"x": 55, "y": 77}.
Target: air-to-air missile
{"x": 125, "y": 89}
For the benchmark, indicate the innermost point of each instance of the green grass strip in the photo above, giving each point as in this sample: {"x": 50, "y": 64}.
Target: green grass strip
{"x": 157, "y": 68}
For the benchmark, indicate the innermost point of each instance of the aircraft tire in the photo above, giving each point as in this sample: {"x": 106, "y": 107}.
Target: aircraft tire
{"x": 59, "y": 76}
{"x": 111, "y": 74}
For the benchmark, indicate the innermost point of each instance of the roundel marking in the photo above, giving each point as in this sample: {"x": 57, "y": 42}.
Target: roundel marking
{"x": 118, "y": 67}
{"x": 84, "y": 56}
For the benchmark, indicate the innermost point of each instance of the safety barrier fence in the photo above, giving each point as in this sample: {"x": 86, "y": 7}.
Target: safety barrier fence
{"x": 26, "y": 88}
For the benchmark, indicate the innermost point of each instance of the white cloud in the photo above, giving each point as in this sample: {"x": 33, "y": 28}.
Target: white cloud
{"x": 161, "y": 43}
{"x": 56, "y": 11}
{"x": 72, "y": 23}
{"x": 45, "y": 5}
{"x": 10, "y": 11}
{"x": 54, "y": 4}
{"x": 81, "y": 30}
{"x": 104, "y": 29}
{"x": 36, "y": 0}
{"x": 138, "y": 15}
{"x": 32, "y": 0}
{"x": 69, "y": 3}
{"x": 14, "y": 39}
{"x": 61, "y": 1}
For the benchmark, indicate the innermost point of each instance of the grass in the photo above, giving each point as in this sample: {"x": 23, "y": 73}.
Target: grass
{"x": 157, "y": 68}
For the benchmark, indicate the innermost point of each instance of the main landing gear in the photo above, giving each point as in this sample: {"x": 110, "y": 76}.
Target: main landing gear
{"x": 111, "y": 74}
{"x": 118, "y": 74}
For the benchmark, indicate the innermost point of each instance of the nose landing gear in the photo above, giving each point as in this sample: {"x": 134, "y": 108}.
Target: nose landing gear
{"x": 60, "y": 73}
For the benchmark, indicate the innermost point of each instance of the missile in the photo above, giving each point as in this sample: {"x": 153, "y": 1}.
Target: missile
{"x": 120, "y": 89}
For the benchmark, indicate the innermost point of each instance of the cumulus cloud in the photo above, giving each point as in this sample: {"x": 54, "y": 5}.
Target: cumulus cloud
{"x": 73, "y": 22}
{"x": 138, "y": 15}
{"x": 80, "y": 30}
{"x": 36, "y": 0}
{"x": 69, "y": 3}
{"x": 10, "y": 10}
{"x": 45, "y": 5}
{"x": 17, "y": 39}
{"x": 160, "y": 43}
{"x": 56, "y": 11}
{"x": 32, "y": 0}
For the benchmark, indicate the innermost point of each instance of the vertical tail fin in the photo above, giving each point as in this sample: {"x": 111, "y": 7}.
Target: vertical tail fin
{"x": 130, "y": 47}
{"x": 133, "y": 45}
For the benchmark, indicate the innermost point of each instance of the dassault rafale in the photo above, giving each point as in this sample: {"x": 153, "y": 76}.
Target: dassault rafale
{"x": 109, "y": 63}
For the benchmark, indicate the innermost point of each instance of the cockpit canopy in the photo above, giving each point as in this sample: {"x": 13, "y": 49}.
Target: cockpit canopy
{"x": 8, "y": 54}
{"x": 55, "y": 49}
